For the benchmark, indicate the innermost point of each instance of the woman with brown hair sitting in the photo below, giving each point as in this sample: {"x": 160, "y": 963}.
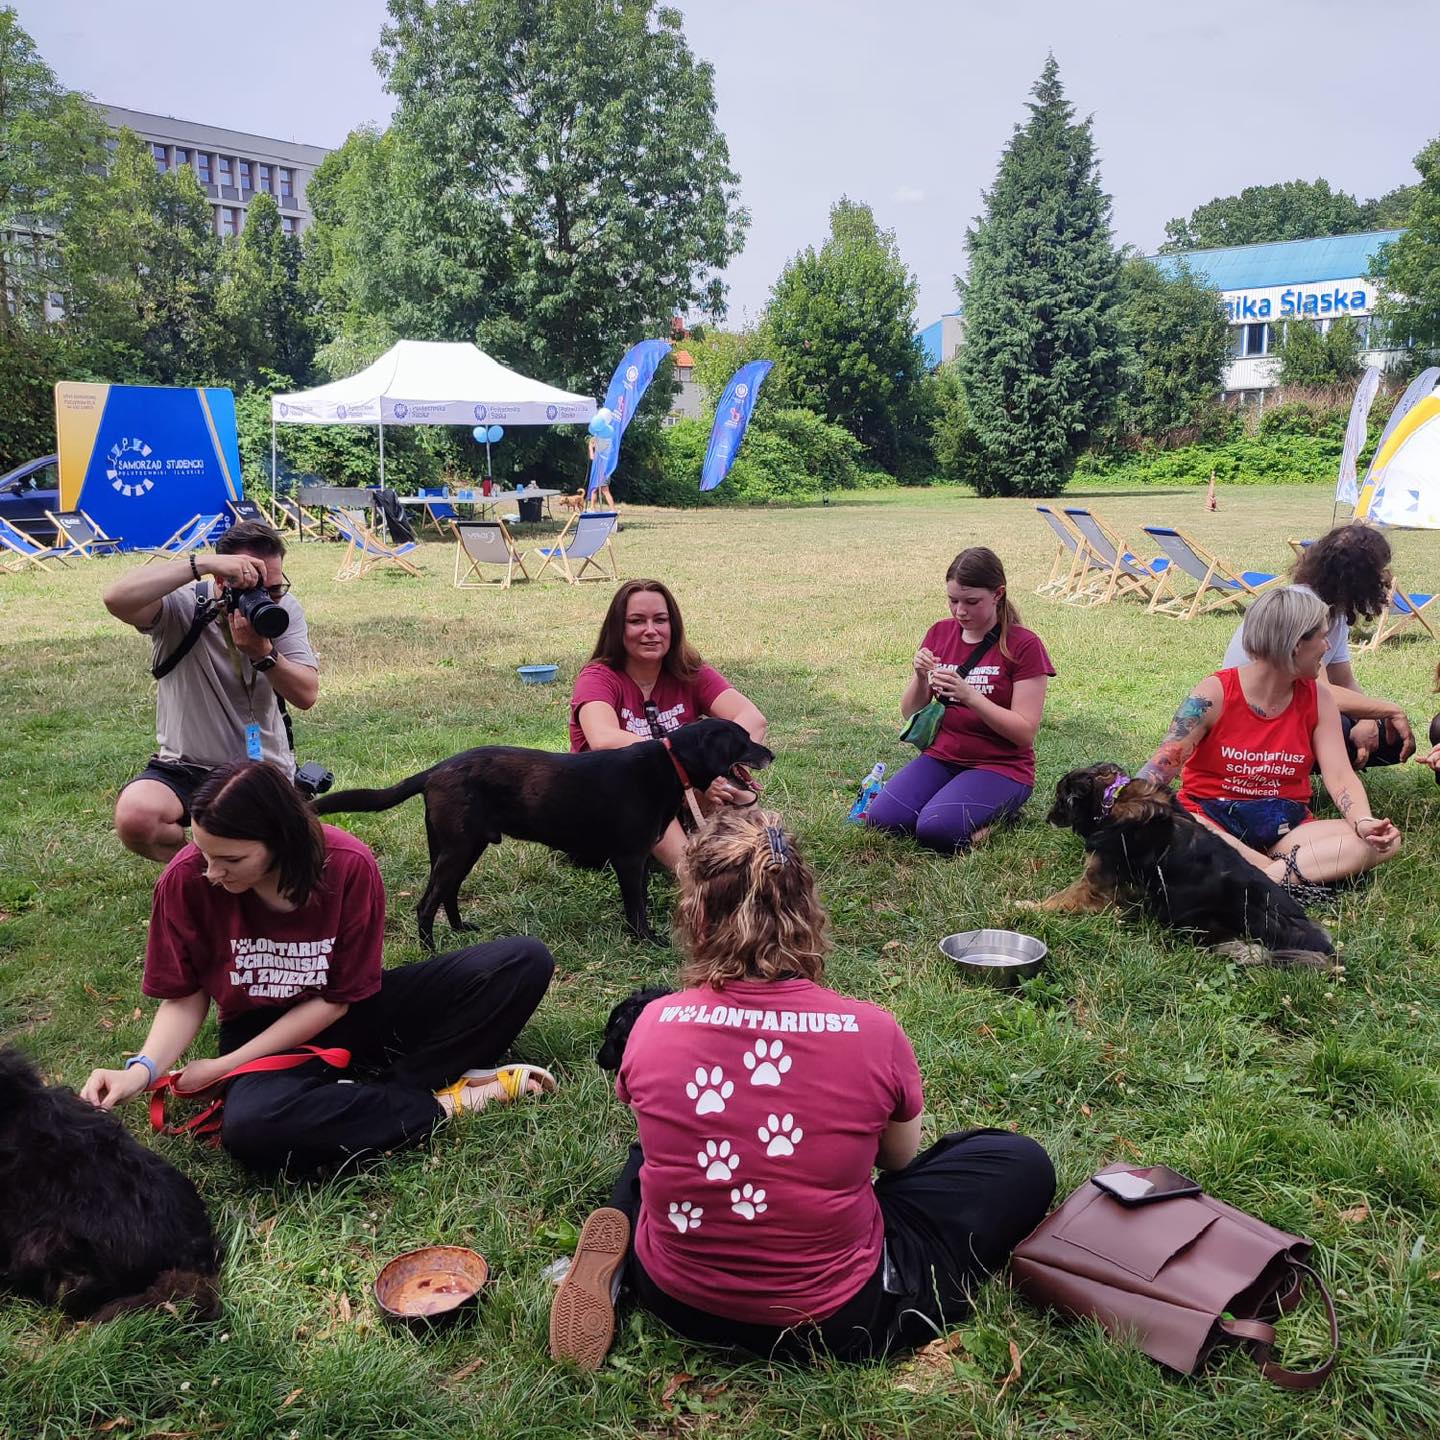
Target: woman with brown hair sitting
{"x": 765, "y": 1102}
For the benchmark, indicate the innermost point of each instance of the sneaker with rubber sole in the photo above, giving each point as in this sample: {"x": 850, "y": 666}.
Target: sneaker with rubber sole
{"x": 582, "y": 1315}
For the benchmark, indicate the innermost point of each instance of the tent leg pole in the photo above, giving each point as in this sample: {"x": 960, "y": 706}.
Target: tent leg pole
{"x": 382, "y": 454}
{"x": 272, "y": 465}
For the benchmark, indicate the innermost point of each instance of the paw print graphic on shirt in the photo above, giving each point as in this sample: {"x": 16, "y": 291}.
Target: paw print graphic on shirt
{"x": 748, "y": 1202}
{"x": 767, "y": 1063}
{"x": 780, "y": 1135}
{"x": 709, "y": 1090}
{"x": 688, "y": 1012}
{"x": 718, "y": 1162}
{"x": 685, "y": 1216}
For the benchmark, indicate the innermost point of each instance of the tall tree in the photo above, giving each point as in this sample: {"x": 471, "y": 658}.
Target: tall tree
{"x": 142, "y": 270}
{"x": 1409, "y": 269}
{"x": 263, "y": 300}
{"x": 842, "y": 320}
{"x": 1177, "y": 331}
{"x": 51, "y": 151}
{"x": 1041, "y": 362}
{"x": 563, "y": 188}
{"x": 1309, "y": 358}
{"x": 1292, "y": 210}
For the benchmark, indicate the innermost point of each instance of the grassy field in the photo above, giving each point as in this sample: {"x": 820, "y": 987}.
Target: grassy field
{"x": 1309, "y": 1100}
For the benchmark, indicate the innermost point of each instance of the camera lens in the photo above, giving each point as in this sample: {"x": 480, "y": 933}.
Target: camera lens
{"x": 268, "y": 618}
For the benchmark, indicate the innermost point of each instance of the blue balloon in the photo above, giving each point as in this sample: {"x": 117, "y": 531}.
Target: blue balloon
{"x": 602, "y": 427}
{"x": 497, "y": 434}
{"x": 479, "y": 433}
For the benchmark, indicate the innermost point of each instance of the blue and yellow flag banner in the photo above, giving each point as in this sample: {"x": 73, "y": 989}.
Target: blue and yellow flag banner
{"x": 631, "y": 379}
{"x": 143, "y": 460}
{"x": 732, "y": 415}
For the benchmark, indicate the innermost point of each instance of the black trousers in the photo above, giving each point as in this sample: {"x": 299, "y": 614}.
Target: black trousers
{"x": 952, "y": 1217}
{"x": 428, "y": 1023}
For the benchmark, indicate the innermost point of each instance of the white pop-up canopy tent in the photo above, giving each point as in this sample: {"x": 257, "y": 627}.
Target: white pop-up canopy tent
{"x": 429, "y": 382}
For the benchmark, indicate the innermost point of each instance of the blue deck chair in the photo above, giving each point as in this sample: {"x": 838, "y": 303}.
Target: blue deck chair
{"x": 189, "y": 537}
{"x": 592, "y": 531}
{"x": 249, "y": 510}
{"x": 1071, "y": 558}
{"x": 24, "y": 551}
{"x": 1404, "y": 606}
{"x": 364, "y": 550}
{"x": 439, "y": 510}
{"x": 76, "y": 534}
{"x": 1114, "y": 570}
{"x": 1209, "y": 573}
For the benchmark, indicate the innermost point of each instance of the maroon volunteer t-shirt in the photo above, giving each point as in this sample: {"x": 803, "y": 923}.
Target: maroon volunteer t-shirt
{"x": 964, "y": 738}
{"x": 760, "y": 1110}
{"x": 675, "y": 704}
{"x": 246, "y": 956}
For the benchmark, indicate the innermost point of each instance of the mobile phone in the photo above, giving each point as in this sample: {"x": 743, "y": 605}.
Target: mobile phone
{"x": 1146, "y": 1186}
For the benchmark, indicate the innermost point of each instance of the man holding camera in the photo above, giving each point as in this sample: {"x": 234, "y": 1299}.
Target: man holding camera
{"x": 230, "y": 642}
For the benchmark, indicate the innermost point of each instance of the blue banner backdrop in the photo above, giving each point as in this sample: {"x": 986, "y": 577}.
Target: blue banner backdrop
{"x": 732, "y": 415}
{"x": 631, "y": 379}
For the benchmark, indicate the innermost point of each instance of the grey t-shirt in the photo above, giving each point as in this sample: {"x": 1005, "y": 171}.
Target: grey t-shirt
{"x": 1337, "y": 642}
{"x": 200, "y": 709}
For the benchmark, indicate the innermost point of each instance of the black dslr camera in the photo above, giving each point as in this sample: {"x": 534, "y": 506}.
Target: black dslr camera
{"x": 313, "y": 779}
{"x": 255, "y": 604}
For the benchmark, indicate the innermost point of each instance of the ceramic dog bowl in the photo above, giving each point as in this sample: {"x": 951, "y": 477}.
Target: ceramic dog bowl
{"x": 432, "y": 1285}
{"x": 1001, "y": 957}
{"x": 537, "y": 674}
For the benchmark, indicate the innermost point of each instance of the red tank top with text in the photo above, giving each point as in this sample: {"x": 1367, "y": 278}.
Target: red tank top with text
{"x": 1246, "y": 756}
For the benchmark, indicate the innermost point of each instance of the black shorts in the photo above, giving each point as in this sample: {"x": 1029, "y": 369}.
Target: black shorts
{"x": 183, "y": 780}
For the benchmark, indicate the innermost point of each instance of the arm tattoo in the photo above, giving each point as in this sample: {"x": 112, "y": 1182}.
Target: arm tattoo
{"x": 1345, "y": 802}
{"x": 1169, "y": 759}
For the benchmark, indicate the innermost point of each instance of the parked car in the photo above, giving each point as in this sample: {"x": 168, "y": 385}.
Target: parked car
{"x": 27, "y": 492}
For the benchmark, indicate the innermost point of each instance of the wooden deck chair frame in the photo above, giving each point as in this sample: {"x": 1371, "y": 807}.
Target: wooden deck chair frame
{"x": 472, "y": 579}
{"x": 1401, "y": 607}
{"x": 291, "y": 514}
{"x": 86, "y": 549}
{"x": 366, "y": 551}
{"x": 1231, "y": 589}
{"x": 20, "y": 556}
{"x": 1124, "y": 573}
{"x": 1069, "y": 554}
{"x": 444, "y": 524}
{"x": 558, "y": 549}
{"x": 181, "y": 544}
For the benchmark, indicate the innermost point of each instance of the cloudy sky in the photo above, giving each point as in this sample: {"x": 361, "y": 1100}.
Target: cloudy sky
{"x": 905, "y": 104}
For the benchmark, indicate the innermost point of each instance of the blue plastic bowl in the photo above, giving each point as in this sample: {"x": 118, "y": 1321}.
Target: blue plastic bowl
{"x": 537, "y": 674}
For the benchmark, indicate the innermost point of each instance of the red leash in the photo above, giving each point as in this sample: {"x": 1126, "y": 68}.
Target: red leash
{"x": 207, "y": 1122}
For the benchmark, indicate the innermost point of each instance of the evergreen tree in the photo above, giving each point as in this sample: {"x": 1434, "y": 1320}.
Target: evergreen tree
{"x": 1309, "y": 358}
{"x": 1409, "y": 270}
{"x": 1041, "y": 362}
{"x": 262, "y": 293}
{"x": 1178, "y": 334}
{"x": 842, "y": 323}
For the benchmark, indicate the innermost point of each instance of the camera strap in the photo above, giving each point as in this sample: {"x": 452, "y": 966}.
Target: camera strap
{"x": 205, "y": 612}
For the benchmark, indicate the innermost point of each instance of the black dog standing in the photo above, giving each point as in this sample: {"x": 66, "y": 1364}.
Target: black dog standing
{"x": 90, "y": 1220}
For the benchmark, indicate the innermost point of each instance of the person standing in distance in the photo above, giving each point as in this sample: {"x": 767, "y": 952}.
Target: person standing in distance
{"x": 219, "y": 703}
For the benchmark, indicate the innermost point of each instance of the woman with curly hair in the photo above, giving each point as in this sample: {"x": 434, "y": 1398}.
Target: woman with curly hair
{"x": 765, "y": 1103}
{"x": 1349, "y": 569}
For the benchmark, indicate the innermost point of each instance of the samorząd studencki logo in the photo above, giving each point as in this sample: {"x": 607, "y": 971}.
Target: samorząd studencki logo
{"x": 132, "y": 467}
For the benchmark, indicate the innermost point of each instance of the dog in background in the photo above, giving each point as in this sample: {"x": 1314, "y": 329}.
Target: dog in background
{"x": 90, "y": 1220}
{"x": 571, "y": 502}
{"x": 1143, "y": 847}
{"x": 599, "y": 807}
{"x": 622, "y": 1022}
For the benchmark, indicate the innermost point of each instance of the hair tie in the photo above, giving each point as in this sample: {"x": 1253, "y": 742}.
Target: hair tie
{"x": 779, "y": 849}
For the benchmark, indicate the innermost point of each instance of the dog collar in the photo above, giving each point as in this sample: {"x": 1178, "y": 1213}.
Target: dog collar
{"x": 675, "y": 761}
{"x": 1111, "y": 791}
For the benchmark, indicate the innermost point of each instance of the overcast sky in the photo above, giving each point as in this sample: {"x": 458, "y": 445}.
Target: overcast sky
{"x": 905, "y": 104}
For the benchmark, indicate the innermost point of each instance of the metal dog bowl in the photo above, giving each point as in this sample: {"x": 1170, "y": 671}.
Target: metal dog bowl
{"x": 1001, "y": 957}
{"x": 431, "y": 1285}
{"x": 537, "y": 674}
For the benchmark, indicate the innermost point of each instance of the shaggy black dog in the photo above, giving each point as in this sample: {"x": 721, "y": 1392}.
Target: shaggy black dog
{"x": 600, "y": 807}
{"x": 1144, "y": 846}
{"x": 622, "y": 1022}
{"x": 90, "y": 1220}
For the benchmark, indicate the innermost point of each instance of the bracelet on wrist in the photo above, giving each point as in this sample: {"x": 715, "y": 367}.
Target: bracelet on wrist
{"x": 151, "y": 1069}
{"x": 194, "y": 568}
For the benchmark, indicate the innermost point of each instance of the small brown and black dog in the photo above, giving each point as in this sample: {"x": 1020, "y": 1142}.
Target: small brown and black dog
{"x": 600, "y": 807}
{"x": 1143, "y": 847}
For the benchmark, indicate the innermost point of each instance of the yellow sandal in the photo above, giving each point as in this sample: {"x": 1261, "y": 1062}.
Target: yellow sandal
{"x": 512, "y": 1080}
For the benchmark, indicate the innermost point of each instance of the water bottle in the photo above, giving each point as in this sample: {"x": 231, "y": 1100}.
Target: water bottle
{"x": 868, "y": 791}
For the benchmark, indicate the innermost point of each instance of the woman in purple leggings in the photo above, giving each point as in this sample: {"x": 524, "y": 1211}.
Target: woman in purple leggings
{"x": 981, "y": 766}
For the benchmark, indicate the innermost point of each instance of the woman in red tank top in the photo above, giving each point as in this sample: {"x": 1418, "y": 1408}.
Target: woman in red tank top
{"x": 1244, "y": 744}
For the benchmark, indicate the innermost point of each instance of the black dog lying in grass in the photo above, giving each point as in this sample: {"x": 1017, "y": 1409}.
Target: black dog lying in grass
{"x": 1144, "y": 846}
{"x": 599, "y": 807}
{"x": 90, "y": 1220}
{"x": 622, "y": 1022}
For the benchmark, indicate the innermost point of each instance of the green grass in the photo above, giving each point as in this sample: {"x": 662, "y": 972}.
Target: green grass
{"x": 1297, "y": 1096}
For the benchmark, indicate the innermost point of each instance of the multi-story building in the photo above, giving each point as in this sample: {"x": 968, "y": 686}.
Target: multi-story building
{"x": 231, "y": 166}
